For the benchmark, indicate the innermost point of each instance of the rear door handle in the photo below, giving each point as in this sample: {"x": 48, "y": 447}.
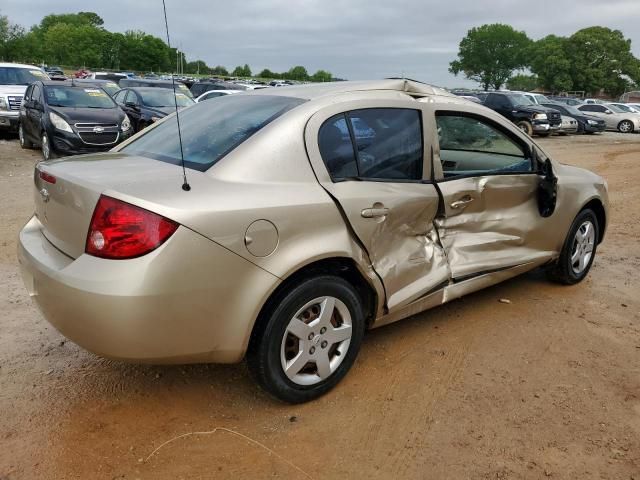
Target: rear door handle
{"x": 375, "y": 212}
{"x": 463, "y": 202}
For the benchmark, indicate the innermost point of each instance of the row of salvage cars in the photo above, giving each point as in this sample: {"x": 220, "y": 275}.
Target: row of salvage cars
{"x": 304, "y": 216}
{"x": 537, "y": 114}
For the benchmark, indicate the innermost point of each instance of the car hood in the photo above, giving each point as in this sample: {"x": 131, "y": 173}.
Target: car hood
{"x": 89, "y": 115}
{"x": 12, "y": 89}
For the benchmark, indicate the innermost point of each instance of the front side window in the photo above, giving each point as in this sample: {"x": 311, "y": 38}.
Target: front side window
{"x": 210, "y": 130}
{"x": 119, "y": 97}
{"x": 373, "y": 143}
{"x": 132, "y": 98}
{"x": 471, "y": 146}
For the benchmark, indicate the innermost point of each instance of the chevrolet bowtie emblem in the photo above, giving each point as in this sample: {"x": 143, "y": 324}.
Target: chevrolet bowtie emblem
{"x": 98, "y": 129}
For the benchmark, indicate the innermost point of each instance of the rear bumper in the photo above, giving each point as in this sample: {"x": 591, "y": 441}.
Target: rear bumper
{"x": 188, "y": 301}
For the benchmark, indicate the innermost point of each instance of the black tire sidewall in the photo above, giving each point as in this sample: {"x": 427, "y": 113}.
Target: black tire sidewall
{"x": 529, "y": 127}
{"x": 264, "y": 356}
{"x": 564, "y": 263}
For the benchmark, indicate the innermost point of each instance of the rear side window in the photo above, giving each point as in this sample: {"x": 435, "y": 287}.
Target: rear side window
{"x": 375, "y": 143}
{"x": 210, "y": 130}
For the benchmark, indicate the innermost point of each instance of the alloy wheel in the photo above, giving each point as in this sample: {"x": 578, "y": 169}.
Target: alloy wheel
{"x": 46, "y": 148}
{"x": 625, "y": 126}
{"x": 582, "y": 249}
{"x": 316, "y": 341}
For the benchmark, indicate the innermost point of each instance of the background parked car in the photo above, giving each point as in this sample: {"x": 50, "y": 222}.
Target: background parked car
{"x": 154, "y": 83}
{"x": 69, "y": 119}
{"x": 529, "y": 117}
{"x": 114, "y": 77}
{"x": 586, "y": 123}
{"x": 14, "y": 79}
{"x": 197, "y": 89}
{"x": 215, "y": 94}
{"x": 54, "y": 71}
{"x": 107, "y": 85}
{"x": 145, "y": 105}
{"x": 567, "y": 100}
{"x": 614, "y": 117}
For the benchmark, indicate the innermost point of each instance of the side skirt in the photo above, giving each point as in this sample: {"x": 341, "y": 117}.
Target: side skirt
{"x": 456, "y": 290}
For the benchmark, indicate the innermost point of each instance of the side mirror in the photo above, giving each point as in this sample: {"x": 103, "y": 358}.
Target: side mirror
{"x": 608, "y": 112}
{"x": 547, "y": 190}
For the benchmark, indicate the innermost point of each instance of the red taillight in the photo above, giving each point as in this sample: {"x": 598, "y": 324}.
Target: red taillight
{"x": 47, "y": 177}
{"x": 120, "y": 230}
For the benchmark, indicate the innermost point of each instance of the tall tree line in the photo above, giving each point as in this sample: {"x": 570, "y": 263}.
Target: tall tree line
{"x": 592, "y": 59}
{"x": 80, "y": 40}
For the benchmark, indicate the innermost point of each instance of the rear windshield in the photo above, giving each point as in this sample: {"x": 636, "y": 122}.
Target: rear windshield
{"x": 210, "y": 130}
{"x": 78, "y": 97}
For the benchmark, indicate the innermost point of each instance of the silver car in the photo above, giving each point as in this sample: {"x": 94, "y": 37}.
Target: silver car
{"x": 303, "y": 216}
{"x": 615, "y": 118}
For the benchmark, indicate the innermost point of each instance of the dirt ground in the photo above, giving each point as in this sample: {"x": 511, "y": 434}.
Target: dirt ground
{"x": 547, "y": 386}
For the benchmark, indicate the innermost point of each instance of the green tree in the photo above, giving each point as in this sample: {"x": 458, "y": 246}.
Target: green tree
{"x": 197, "y": 66}
{"x": 322, "y": 76}
{"x": 523, "y": 82}
{"x": 549, "y": 60}
{"x": 297, "y": 73}
{"x": 489, "y": 54}
{"x": 219, "y": 70}
{"x": 601, "y": 58}
{"x": 238, "y": 71}
{"x": 266, "y": 73}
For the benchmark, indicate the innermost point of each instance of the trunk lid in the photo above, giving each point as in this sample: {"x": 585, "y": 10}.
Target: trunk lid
{"x": 65, "y": 208}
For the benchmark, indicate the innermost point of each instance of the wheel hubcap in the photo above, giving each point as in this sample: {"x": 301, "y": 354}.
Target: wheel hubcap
{"x": 582, "y": 250}
{"x": 316, "y": 341}
{"x": 625, "y": 126}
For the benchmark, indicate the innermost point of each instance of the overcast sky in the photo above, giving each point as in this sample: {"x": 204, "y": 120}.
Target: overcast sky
{"x": 354, "y": 39}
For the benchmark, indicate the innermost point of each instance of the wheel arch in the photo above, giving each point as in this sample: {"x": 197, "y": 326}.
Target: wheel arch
{"x": 595, "y": 205}
{"x": 342, "y": 267}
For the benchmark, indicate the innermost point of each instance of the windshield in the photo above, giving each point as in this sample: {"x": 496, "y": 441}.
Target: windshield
{"x": 210, "y": 130}
{"x": 519, "y": 99}
{"x": 110, "y": 87}
{"x": 573, "y": 110}
{"x": 162, "y": 97}
{"x": 617, "y": 109}
{"x": 21, "y": 76}
{"x": 77, "y": 97}
{"x": 624, "y": 108}
{"x": 542, "y": 99}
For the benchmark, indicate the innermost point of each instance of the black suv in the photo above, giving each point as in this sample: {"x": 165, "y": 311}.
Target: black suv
{"x": 529, "y": 117}
{"x": 69, "y": 119}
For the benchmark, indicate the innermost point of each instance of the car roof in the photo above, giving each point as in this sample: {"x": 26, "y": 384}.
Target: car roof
{"x": 18, "y": 65}
{"x": 311, "y": 91}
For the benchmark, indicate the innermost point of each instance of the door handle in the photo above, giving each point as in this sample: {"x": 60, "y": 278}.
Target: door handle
{"x": 375, "y": 212}
{"x": 463, "y": 202}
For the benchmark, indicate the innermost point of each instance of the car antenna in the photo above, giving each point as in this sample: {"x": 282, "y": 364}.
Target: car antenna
{"x": 185, "y": 185}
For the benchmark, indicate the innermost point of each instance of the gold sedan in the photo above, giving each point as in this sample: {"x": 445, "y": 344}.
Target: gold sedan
{"x": 314, "y": 213}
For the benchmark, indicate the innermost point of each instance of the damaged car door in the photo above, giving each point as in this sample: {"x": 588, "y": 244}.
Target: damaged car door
{"x": 489, "y": 182}
{"x": 377, "y": 172}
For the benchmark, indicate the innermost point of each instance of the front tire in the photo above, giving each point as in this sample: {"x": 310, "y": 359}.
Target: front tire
{"x": 525, "y": 126}
{"x": 46, "y": 147}
{"x": 625, "y": 126}
{"x": 308, "y": 340}
{"x": 578, "y": 251}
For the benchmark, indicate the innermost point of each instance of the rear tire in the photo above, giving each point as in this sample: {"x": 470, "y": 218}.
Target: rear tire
{"x": 578, "y": 251}
{"x": 307, "y": 342}
{"x": 525, "y": 126}
{"x": 625, "y": 126}
{"x": 24, "y": 142}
